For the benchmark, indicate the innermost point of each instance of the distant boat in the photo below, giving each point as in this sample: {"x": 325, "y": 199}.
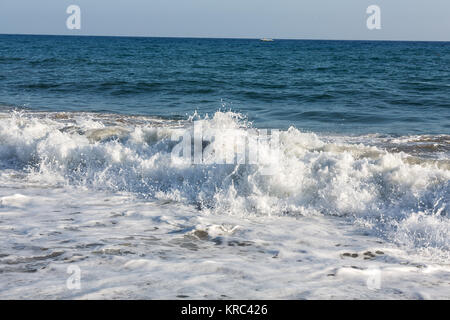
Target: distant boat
{"x": 266, "y": 39}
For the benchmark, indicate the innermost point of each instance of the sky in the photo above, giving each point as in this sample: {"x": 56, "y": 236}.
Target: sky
{"x": 427, "y": 20}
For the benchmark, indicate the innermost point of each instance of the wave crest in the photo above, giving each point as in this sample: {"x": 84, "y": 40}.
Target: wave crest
{"x": 313, "y": 176}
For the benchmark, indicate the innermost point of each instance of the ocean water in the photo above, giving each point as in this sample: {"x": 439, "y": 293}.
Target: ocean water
{"x": 356, "y": 205}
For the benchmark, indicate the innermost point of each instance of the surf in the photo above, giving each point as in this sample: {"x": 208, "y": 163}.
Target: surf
{"x": 389, "y": 194}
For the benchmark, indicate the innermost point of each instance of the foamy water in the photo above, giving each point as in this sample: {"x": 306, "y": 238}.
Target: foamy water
{"x": 103, "y": 192}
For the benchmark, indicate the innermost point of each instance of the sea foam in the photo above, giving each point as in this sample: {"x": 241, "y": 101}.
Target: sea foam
{"x": 403, "y": 200}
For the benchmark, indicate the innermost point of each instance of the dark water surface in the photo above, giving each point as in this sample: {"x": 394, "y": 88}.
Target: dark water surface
{"x": 350, "y": 87}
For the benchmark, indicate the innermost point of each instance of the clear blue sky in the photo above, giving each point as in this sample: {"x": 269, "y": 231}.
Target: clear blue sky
{"x": 300, "y": 19}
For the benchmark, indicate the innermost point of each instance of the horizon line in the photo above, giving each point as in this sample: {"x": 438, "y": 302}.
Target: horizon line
{"x": 210, "y": 37}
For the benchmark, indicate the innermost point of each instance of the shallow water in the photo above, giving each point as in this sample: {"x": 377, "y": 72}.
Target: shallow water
{"x": 103, "y": 192}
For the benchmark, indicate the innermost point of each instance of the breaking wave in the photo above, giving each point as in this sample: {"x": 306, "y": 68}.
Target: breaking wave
{"x": 387, "y": 185}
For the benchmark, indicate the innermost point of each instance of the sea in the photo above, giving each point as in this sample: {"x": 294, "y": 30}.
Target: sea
{"x": 97, "y": 202}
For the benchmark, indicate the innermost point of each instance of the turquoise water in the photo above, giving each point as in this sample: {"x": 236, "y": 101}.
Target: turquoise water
{"x": 349, "y": 87}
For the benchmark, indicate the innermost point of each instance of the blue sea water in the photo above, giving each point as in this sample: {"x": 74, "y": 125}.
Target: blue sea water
{"x": 348, "y": 87}
{"x": 358, "y": 186}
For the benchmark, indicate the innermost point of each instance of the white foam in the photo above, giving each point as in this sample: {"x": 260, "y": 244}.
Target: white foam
{"x": 16, "y": 200}
{"x": 311, "y": 177}
{"x": 107, "y": 194}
